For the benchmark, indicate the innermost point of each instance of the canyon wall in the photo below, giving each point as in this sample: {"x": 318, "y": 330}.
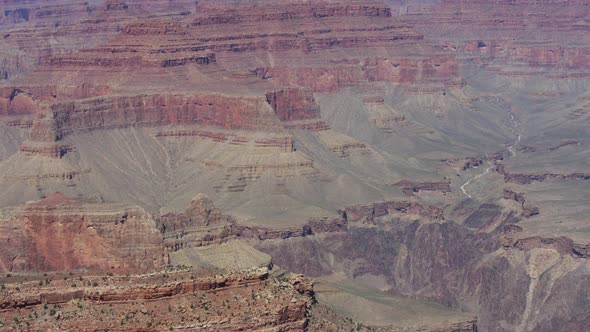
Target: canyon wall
{"x": 444, "y": 262}
{"x": 59, "y": 233}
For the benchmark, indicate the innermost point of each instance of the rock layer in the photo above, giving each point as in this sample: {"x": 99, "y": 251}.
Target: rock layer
{"x": 59, "y": 233}
{"x": 176, "y": 300}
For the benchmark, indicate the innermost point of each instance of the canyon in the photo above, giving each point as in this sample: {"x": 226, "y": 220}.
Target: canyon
{"x": 370, "y": 165}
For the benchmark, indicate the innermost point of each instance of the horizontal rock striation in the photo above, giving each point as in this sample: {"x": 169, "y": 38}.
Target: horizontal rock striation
{"x": 229, "y": 112}
{"x": 563, "y": 245}
{"x": 313, "y": 226}
{"x": 524, "y": 179}
{"x": 440, "y": 69}
{"x": 228, "y": 87}
{"x": 91, "y": 58}
{"x": 58, "y": 233}
{"x": 199, "y": 225}
{"x": 527, "y": 210}
{"x": 203, "y": 224}
{"x": 165, "y": 300}
{"x": 138, "y": 292}
{"x": 368, "y": 212}
{"x": 548, "y": 42}
{"x": 51, "y": 150}
{"x": 294, "y": 11}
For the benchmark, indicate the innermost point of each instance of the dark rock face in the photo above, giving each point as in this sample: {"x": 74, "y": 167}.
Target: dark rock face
{"x": 154, "y": 302}
{"x": 444, "y": 262}
{"x": 369, "y": 212}
{"x": 524, "y": 179}
{"x": 569, "y": 315}
{"x": 484, "y": 215}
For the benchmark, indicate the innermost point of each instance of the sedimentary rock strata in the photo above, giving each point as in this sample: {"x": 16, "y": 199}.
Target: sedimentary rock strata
{"x": 180, "y": 299}
{"x": 59, "y": 233}
{"x": 530, "y": 178}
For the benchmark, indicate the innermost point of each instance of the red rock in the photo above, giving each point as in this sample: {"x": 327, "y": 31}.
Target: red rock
{"x": 293, "y": 104}
{"x": 257, "y": 301}
{"x": 230, "y": 112}
{"x": 59, "y": 233}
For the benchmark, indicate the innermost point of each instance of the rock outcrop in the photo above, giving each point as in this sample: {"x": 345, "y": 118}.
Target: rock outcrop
{"x": 527, "y": 210}
{"x": 524, "y": 179}
{"x": 231, "y": 112}
{"x": 293, "y": 104}
{"x": 409, "y": 187}
{"x": 444, "y": 262}
{"x": 200, "y": 224}
{"x": 368, "y": 213}
{"x": 60, "y": 233}
{"x": 203, "y": 224}
{"x": 182, "y": 299}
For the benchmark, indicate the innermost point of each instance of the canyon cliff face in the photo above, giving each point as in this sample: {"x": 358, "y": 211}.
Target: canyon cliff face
{"x": 103, "y": 113}
{"x": 425, "y": 162}
{"x": 59, "y": 233}
{"x": 451, "y": 265}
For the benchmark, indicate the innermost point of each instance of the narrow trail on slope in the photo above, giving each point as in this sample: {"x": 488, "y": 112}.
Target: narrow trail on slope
{"x": 475, "y": 178}
{"x": 515, "y": 130}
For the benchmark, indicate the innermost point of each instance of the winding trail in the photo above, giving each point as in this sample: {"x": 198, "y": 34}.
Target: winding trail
{"x": 510, "y": 147}
{"x": 515, "y": 130}
{"x": 475, "y": 178}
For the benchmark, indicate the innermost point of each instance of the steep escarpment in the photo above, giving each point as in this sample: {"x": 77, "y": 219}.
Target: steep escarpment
{"x": 550, "y": 42}
{"x": 202, "y": 224}
{"x": 59, "y": 233}
{"x": 293, "y": 104}
{"x": 215, "y": 110}
{"x": 530, "y": 178}
{"x": 448, "y": 263}
{"x": 439, "y": 71}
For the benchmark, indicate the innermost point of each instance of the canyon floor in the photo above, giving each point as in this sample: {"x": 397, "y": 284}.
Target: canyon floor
{"x": 394, "y": 165}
